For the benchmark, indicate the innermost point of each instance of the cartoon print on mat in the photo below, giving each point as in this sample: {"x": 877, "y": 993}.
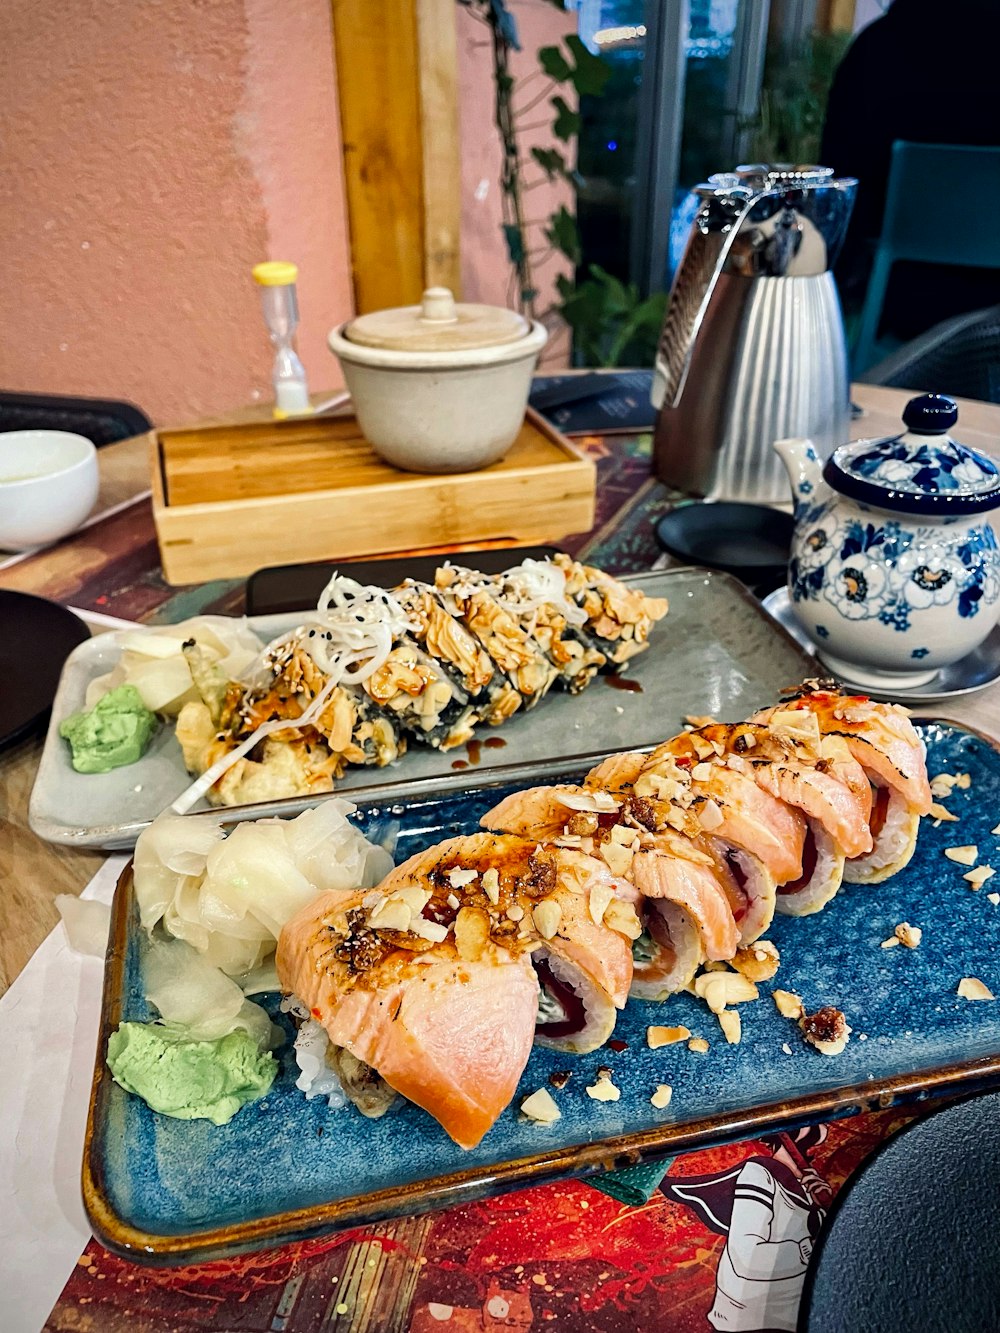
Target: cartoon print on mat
{"x": 770, "y": 1210}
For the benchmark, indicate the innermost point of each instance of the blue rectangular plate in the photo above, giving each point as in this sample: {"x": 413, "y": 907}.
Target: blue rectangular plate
{"x": 166, "y": 1191}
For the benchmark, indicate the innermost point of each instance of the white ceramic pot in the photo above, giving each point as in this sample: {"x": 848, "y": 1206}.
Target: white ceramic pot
{"x": 432, "y": 402}
{"x": 48, "y": 486}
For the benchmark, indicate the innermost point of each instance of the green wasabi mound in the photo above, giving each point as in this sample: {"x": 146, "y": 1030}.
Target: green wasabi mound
{"x": 113, "y": 733}
{"x": 190, "y": 1080}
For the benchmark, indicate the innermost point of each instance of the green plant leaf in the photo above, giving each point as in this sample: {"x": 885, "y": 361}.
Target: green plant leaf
{"x": 590, "y": 72}
{"x": 551, "y": 161}
{"x": 567, "y": 123}
{"x": 515, "y": 243}
{"x": 555, "y": 64}
{"x": 563, "y": 234}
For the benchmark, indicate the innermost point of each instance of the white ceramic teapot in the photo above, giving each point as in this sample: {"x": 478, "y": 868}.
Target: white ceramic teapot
{"x": 895, "y": 570}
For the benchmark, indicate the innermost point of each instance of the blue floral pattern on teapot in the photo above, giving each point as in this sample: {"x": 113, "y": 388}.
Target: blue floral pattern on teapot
{"x": 895, "y": 569}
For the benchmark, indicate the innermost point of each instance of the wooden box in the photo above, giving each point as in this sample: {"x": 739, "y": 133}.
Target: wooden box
{"x": 228, "y": 499}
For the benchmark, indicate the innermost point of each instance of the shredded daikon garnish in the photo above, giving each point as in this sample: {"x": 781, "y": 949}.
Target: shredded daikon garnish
{"x": 349, "y": 636}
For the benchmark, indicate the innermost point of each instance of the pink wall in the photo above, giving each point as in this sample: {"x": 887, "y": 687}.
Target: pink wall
{"x": 486, "y": 272}
{"x": 150, "y": 154}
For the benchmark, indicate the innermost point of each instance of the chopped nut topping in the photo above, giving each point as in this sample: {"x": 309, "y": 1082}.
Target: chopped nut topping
{"x": 472, "y": 930}
{"x": 390, "y": 914}
{"x": 706, "y": 721}
{"x": 622, "y": 917}
{"x": 758, "y": 961}
{"x": 604, "y": 1090}
{"x": 661, "y": 1036}
{"x": 710, "y": 815}
{"x": 454, "y": 902}
{"x": 515, "y": 913}
{"x": 965, "y": 856}
{"x": 979, "y": 875}
{"x": 789, "y": 1004}
{"x": 491, "y": 885}
{"x": 459, "y": 878}
{"x": 702, "y": 748}
{"x": 732, "y": 1026}
{"x": 827, "y": 1029}
{"x": 661, "y": 1097}
{"x": 428, "y": 930}
{"x": 698, "y": 1044}
{"x": 971, "y": 988}
{"x": 909, "y": 935}
{"x": 617, "y": 858}
{"x": 546, "y": 915}
{"x": 600, "y": 899}
{"x": 941, "y": 812}
{"x": 541, "y": 1106}
{"x": 719, "y": 989}
{"x": 702, "y": 772}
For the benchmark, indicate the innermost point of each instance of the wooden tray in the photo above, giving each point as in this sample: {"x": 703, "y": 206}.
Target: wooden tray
{"x": 228, "y": 499}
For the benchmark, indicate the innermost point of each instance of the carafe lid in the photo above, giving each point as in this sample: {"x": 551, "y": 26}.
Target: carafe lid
{"x": 438, "y": 324}
{"x": 922, "y": 471}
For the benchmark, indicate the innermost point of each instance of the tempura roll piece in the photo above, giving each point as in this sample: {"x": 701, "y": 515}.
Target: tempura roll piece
{"x": 619, "y": 617}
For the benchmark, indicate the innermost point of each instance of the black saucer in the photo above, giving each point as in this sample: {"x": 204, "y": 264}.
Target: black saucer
{"x": 750, "y": 541}
{"x": 910, "y": 1246}
{"x": 36, "y": 637}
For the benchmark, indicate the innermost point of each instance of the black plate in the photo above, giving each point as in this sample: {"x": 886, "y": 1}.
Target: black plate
{"x": 910, "y": 1246}
{"x": 750, "y": 541}
{"x": 297, "y": 587}
{"x": 36, "y": 637}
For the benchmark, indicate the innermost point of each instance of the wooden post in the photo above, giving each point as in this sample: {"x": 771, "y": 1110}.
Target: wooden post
{"x": 398, "y": 88}
{"x": 836, "y": 15}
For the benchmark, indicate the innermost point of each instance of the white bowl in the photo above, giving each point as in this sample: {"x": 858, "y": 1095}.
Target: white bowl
{"x": 48, "y": 486}
{"x": 440, "y": 411}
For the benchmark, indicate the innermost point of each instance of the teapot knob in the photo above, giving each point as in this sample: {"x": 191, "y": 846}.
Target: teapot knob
{"x": 930, "y": 414}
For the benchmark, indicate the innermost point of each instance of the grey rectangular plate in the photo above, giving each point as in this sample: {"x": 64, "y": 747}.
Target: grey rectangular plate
{"x": 716, "y": 652}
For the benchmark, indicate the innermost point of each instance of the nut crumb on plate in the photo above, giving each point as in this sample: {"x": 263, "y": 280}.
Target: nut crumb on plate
{"x": 908, "y": 935}
{"x": 661, "y": 1097}
{"x": 732, "y": 1026}
{"x": 758, "y": 961}
{"x": 965, "y": 856}
{"x": 541, "y": 1107}
{"x": 827, "y": 1029}
{"x": 786, "y": 1048}
{"x": 788, "y": 1003}
{"x": 978, "y": 876}
{"x": 941, "y": 812}
{"x": 993, "y": 898}
{"x": 663, "y": 1036}
{"x": 698, "y": 1044}
{"x": 971, "y": 988}
{"x": 891, "y": 943}
{"x": 603, "y": 1090}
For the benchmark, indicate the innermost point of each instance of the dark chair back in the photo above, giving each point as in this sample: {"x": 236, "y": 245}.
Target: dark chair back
{"x": 959, "y": 356}
{"x": 100, "y": 420}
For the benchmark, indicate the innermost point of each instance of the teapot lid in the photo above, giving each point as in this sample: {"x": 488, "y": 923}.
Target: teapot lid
{"x": 438, "y": 324}
{"x": 921, "y": 471}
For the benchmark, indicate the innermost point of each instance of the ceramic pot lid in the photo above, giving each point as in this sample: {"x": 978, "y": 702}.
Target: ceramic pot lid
{"x": 438, "y": 324}
{"x": 921, "y": 471}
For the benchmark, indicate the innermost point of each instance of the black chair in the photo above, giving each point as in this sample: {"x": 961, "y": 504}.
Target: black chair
{"x": 959, "y": 356}
{"x": 100, "y": 420}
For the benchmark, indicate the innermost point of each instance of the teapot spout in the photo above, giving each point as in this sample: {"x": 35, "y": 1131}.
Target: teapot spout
{"x": 805, "y": 472}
